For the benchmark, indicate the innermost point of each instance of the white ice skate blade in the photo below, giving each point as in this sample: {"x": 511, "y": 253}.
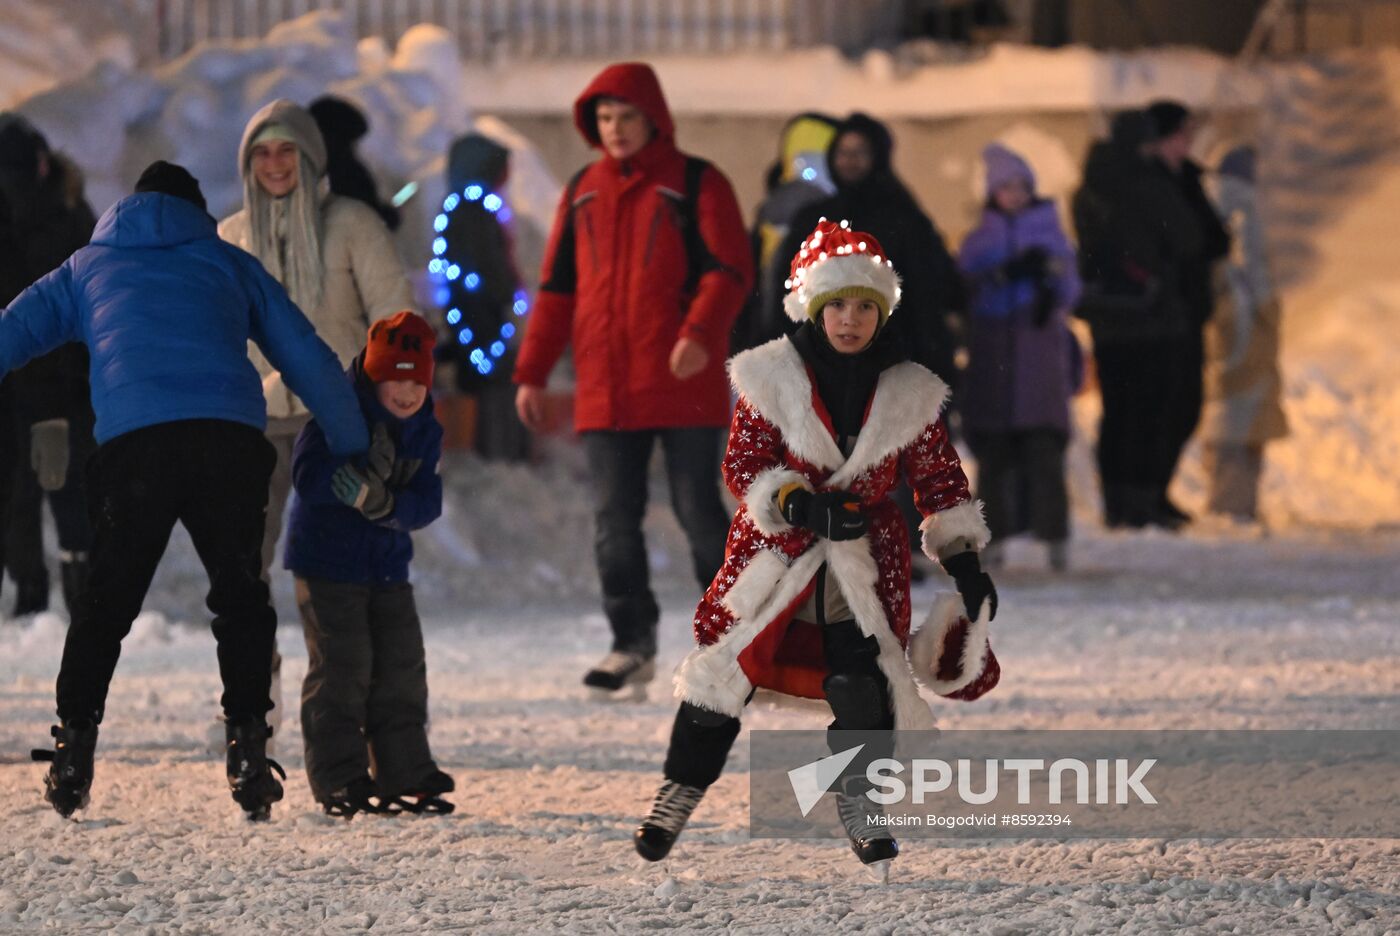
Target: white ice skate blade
{"x": 879, "y": 871}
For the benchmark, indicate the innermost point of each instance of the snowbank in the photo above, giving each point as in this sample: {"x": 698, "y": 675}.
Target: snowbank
{"x": 45, "y": 44}
{"x": 1008, "y": 78}
{"x": 114, "y": 120}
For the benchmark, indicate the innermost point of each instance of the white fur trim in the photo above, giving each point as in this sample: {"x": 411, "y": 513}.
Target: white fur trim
{"x": 908, "y": 398}
{"x": 926, "y": 646}
{"x": 854, "y": 569}
{"x": 755, "y": 583}
{"x": 761, "y": 499}
{"x": 711, "y": 677}
{"x": 773, "y": 380}
{"x": 963, "y": 521}
{"x": 839, "y": 272}
{"x": 795, "y": 308}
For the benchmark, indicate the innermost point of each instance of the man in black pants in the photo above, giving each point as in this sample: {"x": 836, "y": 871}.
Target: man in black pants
{"x": 167, "y": 309}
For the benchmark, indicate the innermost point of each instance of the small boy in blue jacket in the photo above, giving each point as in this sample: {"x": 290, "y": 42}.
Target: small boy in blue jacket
{"x": 364, "y": 704}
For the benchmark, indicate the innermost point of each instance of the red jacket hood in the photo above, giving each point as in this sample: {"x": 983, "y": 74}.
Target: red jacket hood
{"x": 633, "y": 82}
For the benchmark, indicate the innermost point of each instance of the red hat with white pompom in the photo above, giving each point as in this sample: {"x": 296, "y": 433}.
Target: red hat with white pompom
{"x": 836, "y": 262}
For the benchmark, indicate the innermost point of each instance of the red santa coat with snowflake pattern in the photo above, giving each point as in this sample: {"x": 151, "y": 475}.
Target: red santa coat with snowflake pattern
{"x": 781, "y": 434}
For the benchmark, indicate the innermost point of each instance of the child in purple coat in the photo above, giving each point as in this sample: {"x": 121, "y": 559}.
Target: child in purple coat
{"x": 1022, "y": 359}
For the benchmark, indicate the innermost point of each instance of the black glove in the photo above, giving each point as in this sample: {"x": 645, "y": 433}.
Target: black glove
{"x": 974, "y": 585}
{"x": 1029, "y": 264}
{"x": 1046, "y": 299}
{"x": 380, "y": 458}
{"x": 835, "y": 515}
{"x": 363, "y": 490}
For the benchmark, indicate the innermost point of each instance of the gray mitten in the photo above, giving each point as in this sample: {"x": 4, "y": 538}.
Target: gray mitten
{"x": 380, "y": 458}
{"x": 404, "y": 470}
{"x": 48, "y": 452}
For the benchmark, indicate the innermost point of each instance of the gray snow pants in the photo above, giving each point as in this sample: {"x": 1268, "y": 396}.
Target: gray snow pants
{"x": 364, "y": 704}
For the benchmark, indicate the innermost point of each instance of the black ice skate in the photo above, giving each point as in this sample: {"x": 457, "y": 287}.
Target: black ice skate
{"x": 358, "y": 796}
{"x": 425, "y": 797}
{"x": 669, "y": 813}
{"x": 619, "y": 671}
{"x": 870, "y": 837}
{"x": 69, "y": 780}
{"x": 249, "y": 768}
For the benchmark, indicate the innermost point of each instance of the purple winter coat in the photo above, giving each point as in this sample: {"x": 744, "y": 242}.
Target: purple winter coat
{"x": 1020, "y": 375}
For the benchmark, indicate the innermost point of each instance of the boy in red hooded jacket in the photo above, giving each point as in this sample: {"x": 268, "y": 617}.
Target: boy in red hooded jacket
{"x": 646, "y": 269}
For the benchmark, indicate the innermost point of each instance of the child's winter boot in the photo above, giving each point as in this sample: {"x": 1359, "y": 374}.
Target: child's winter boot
{"x": 360, "y": 795}
{"x": 669, "y": 813}
{"x": 425, "y": 797}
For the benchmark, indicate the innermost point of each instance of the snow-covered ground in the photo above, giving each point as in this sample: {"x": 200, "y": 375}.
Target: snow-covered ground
{"x": 1233, "y": 630}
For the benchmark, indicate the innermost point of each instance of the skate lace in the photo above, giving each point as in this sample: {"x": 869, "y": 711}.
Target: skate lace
{"x": 860, "y": 815}
{"x": 673, "y": 805}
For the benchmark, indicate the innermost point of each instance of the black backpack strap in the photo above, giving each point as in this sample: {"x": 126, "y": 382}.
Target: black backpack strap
{"x": 699, "y": 259}
{"x": 562, "y": 276}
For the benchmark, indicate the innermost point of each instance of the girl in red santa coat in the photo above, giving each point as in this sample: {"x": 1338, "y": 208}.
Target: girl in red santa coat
{"x": 813, "y": 596}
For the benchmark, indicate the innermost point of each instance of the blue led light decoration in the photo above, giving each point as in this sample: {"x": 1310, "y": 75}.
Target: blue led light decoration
{"x": 483, "y": 323}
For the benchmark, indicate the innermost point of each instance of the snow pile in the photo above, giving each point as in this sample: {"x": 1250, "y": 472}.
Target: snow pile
{"x": 45, "y": 44}
{"x": 115, "y": 120}
{"x": 1011, "y": 78}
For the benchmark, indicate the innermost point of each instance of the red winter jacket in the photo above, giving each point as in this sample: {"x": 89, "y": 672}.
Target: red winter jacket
{"x": 615, "y": 271}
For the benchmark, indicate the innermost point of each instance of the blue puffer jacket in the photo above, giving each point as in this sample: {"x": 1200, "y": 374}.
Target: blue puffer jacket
{"x": 166, "y": 310}
{"x": 328, "y": 540}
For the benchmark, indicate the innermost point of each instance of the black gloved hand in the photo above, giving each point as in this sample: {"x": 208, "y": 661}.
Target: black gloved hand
{"x": 835, "y": 515}
{"x": 1029, "y": 264}
{"x": 974, "y": 585}
{"x": 1046, "y": 299}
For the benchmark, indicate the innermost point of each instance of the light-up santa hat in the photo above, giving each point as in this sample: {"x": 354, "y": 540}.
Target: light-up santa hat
{"x": 836, "y": 262}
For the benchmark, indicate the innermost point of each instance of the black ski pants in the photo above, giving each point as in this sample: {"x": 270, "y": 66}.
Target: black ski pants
{"x": 856, "y": 690}
{"x": 364, "y": 704}
{"x": 211, "y": 476}
{"x": 617, "y": 464}
{"x": 1021, "y": 482}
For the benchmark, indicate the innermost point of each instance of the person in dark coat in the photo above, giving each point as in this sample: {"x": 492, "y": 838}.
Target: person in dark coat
{"x": 1022, "y": 282}
{"x": 484, "y": 299}
{"x": 1136, "y": 236}
{"x": 44, "y": 218}
{"x": 872, "y": 198}
{"x": 342, "y": 124}
{"x": 167, "y": 309}
{"x": 364, "y": 704}
{"x": 1174, "y": 131}
{"x": 798, "y": 179}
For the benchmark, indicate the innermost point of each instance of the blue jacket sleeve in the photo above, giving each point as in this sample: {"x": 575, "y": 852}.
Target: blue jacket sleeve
{"x": 40, "y": 319}
{"x": 419, "y": 502}
{"x": 312, "y": 466}
{"x": 307, "y": 363}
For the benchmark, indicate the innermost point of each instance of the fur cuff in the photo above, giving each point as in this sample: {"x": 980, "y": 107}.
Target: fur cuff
{"x": 761, "y": 501}
{"x": 713, "y": 680}
{"x": 968, "y": 674}
{"x": 963, "y": 523}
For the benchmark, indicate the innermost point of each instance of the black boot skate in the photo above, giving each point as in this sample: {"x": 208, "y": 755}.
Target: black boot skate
{"x": 870, "y": 837}
{"x": 360, "y": 795}
{"x": 31, "y": 594}
{"x": 669, "y": 813}
{"x": 69, "y": 780}
{"x": 249, "y": 768}
{"x": 425, "y": 797}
